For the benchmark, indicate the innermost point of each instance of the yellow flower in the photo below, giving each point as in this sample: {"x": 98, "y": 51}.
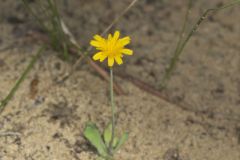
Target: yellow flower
{"x": 112, "y": 48}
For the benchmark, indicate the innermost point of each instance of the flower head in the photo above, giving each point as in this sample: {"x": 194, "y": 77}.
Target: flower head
{"x": 112, "y": 48}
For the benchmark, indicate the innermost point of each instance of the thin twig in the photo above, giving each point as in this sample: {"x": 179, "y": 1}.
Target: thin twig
{"x": 153, "y": 91}
{"x": 142, "y": 85}
{"x": 4, "y": 134}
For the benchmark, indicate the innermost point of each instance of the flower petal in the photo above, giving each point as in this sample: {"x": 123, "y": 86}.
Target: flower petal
{"x": 98, "y": 56}
{"x": 127, "y": 51}
{"x": 99, "y": 38}
{"x": 111, "y": 48}
{"x": 109, "y": 37}
{"x": 118, "y": 59}
{"x": 110, "y": 61}
{"x": 116, "y": 35}
{"x": 104, "y": 56}
{"x": 96, "y": 43}
{"x": 124, "y": 41}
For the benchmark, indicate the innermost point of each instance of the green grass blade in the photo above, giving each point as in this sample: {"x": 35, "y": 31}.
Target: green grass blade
{"x": 21, "y": 79}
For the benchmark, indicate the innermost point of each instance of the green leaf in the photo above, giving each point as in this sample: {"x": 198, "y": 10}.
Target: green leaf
{"x": 115, "y": 142}
{"x": 121, "y": 141}
{"x": 108, "y": 135}
{"x": 93, "y": 135}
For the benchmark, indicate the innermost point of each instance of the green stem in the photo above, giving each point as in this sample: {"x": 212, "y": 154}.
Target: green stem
{"x": 113, "y": 111}
{"x": 21, "y": 79}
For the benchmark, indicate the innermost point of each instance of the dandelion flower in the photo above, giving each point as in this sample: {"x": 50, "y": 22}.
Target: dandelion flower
{"x": 112, "y": 48}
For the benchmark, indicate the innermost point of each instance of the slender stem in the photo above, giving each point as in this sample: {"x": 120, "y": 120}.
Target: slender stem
{"x": 113, "y": 110}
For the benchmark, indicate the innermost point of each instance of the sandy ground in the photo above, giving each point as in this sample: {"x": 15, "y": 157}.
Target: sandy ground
{"x": 200, "y": 121}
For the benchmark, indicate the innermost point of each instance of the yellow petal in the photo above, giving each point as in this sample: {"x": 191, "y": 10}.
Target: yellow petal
{"x": 124, "y": 41}
{"x": 104, "y": 56}
{"x": 127, "y": 51}
{"x": 109, "y": 36}
{"x": 99, "y": 38}
{"x": 118, "y": 59}
{"x": 111, "y": 48}
{"x": 116, "y": 35}
{"x": 95, "y": 43}
{"x": 110, "y": 61}
{"x": 97, "y": 56}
